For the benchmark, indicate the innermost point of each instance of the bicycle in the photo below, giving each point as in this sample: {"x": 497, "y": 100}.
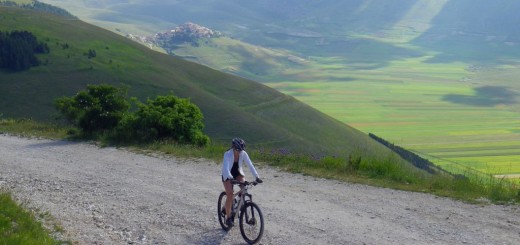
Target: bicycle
{"x": 251, "y": 220}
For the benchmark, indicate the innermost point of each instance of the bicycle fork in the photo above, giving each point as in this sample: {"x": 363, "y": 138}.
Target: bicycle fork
{"x": 236, "y": 205}
{"x": 250, "y": 220}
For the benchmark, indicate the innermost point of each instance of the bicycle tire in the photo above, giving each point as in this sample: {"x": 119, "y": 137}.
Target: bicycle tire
{"x": 221, "y": 211}
{"x": 251, "y": 219}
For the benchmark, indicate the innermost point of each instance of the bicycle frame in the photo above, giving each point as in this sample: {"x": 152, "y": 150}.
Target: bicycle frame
{"x": 242, "y": 193}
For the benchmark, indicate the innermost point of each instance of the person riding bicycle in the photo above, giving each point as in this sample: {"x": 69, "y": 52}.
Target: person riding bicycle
{"x": 232, "y": 169}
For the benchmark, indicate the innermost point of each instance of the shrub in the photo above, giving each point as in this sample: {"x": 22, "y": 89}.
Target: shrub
{"x": 97, "y": 109}
{"x": 165, "y": 118}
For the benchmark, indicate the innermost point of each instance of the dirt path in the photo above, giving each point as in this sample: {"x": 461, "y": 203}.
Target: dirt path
{"x": 111, "y": 196}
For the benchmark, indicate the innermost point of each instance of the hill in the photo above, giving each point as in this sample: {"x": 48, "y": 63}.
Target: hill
{"x": 232, "y": 106}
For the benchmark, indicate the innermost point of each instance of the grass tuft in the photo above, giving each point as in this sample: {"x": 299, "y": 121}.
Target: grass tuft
{"x": 31, "y": 128}
{"x": 19, "y": 226}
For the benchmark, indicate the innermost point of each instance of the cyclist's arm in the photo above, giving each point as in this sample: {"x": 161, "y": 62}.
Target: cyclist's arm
{"x": 249, "y": 163}
{"x": 227, "y": 163}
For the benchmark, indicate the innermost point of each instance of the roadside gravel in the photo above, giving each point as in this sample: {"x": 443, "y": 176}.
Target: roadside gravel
{"x": 113, "y": 196}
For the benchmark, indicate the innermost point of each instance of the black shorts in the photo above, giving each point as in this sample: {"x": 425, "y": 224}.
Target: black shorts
{"x": 234, "y": 171}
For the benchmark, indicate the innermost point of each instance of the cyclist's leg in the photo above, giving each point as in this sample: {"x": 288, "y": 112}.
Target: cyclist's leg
{"x": 241, "y": 178}
{"x": 228, "y": 186}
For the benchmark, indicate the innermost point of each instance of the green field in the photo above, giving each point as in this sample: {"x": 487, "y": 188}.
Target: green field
{"x": 453, "y": 115}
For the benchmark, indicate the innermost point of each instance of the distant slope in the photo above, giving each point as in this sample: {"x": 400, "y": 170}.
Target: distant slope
{"x": 232, "y": 106}
{"x": 326, "y": 34}
{"x": 211, "y": 48}
{"x": 37, "y": 6}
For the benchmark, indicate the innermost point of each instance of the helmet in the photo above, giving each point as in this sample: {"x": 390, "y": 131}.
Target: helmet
{"x": 238, "y": 144}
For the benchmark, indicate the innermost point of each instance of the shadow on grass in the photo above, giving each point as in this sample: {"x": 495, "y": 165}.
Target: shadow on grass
{"x": 486, "y": 96}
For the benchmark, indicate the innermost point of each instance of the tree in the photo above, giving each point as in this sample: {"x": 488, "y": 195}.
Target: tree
{"x": 91, "y": 53}
{"x": 96, "y": 109}
{"x": 18, "y": 49}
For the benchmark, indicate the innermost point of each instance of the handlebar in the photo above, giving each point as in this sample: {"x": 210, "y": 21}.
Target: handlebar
{"x": 236, "y": 182}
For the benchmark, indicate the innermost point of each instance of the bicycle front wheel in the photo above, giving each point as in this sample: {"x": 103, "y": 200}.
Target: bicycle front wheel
{"x": 221, "y": 211}
{"x": 251, "y": 223}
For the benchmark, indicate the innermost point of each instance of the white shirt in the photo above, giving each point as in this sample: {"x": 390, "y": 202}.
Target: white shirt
{"x": 228, "y": 164}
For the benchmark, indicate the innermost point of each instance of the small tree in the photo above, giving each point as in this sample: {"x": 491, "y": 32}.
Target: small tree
{"x": 91, "y": 53}
{"x": 169, "y": 117}
{"x": 99, "y": 108}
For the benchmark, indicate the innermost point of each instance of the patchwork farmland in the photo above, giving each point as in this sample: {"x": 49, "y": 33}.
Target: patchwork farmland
{"x": 459, "y": 118}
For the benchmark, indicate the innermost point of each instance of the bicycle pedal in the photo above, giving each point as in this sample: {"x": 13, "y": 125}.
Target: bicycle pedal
{"x": 230, "y": 223}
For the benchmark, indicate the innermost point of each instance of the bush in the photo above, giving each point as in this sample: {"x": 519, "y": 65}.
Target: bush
{"x": 97, "y": 109}
{"x": 103, "y": 110}
{"x": 165, "y": 118}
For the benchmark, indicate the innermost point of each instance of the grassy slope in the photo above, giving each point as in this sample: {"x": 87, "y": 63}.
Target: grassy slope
{"x": 232, "y": 106}
{"x": 246, "y": 60}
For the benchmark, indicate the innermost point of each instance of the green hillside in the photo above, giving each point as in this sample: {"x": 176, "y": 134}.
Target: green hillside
{"x": 232, "y": 106}
{"x": 242, "y": 59}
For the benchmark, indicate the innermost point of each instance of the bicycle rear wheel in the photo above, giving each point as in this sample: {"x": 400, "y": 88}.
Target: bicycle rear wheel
{"x": 251, "y": 223}
{"x": 221, "y": 211}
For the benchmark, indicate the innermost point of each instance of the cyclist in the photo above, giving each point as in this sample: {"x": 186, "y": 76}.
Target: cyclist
{"x": 232, "y": 169}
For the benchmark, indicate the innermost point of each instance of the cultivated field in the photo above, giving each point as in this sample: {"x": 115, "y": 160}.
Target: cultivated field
{"x": 455, "y": 114}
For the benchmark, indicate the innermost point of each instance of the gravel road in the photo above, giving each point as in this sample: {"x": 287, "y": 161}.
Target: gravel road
{"x": 113, "y": 196}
